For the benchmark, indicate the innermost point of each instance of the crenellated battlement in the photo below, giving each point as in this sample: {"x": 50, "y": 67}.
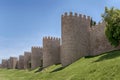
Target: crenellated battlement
{"x": 98, "y": 25}
{"x": 49, "y": 38}
{"x": 79, "y": 39}
{"x": 71, "y": 14}
{"x": 36, "y": 47}
{"x": 13, "y": 57}
{"x": 26, "y": 53}
{"x": 36, "y": 56}
{"x": 21, "y": 55}
{"x": 51, "y": 51}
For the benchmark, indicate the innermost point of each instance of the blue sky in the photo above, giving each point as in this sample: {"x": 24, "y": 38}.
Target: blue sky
{"x": 23, "y": 23}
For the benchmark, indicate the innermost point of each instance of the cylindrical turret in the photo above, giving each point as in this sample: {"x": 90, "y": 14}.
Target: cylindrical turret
{"x": 75, "y": 37}
{"x": 21, "y": 62}
{"x": 27, "y": 60}
{"x": 51, "y": 51}
{"x": 36, "y": 57}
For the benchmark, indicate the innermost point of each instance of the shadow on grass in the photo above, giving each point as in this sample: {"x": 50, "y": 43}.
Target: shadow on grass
{"x": 40, "y": 69}
{"x": 108, "y": 55}
{"x": 90, "y": 56}
{"x": 58, "y": 69}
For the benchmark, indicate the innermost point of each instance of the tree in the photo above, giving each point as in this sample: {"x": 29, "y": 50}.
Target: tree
{"x": 111, "y": 17}
{"x": 92, "y": 23}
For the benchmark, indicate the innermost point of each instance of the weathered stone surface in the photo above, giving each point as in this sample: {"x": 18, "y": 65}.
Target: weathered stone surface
{"x": 0, "y": 65}
{"x": 79, "y": 39}
{"x": 13, "y": 62}
{"x": 21, "y": 62}
{"x": 36, "y": 57}
{"x": 9, "y": 64}
{"x": 98, "y": 41}
{"x": 27, "y": 60}
{"x": 51, "y": 51}
{"x": 4, "y": 63}
{"x": 75, "y": 37}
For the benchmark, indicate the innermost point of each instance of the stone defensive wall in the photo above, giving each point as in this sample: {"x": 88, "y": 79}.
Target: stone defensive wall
{"x": 27, "y": 60}
{"x": 98, "y": 40}
{"x": 13, "y": 62}
{"x": 36, "y": 57}
{"x": 78, "y": 37}
{"x": 4, "y": 63}
{"x": 51, "y": 51}
{"x": 21, "y": 62}
{"x": 75, "y": 37}
{"x": 9, "y": 63}
{"x": 0, "y": 65}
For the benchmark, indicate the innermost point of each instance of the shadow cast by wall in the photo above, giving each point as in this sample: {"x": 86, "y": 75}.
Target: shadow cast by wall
{"x": 39, "y": 70}
{"x": 109, "y": 55}
{"x": 58, "y": 69}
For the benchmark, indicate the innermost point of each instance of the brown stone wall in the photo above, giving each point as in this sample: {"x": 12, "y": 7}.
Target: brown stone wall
{"x": 78, "y": 40}
{"x": 75, "y": 37}
{"x": 21, "y": 62}
{"x": 27, "y": 60}
{"x": 51, "y": 51}
{"x": 9, "y": 65}
{"x": 4, "y": 63}
{"x": 0, "y": 65}
{"x": 17, "y": 64}
{"x": 99, "y": 42}
{"x": 13, "y": 62}
{"x": 36, "y": 57}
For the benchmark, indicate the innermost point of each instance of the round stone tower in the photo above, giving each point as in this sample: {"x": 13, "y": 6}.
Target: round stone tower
{"x": 21, "y": 62}
{"x": 75, "y": 37}
{"x": 27, "y": 60}
{"x": 36, "y": 57}
{"x": 51, "y": 51}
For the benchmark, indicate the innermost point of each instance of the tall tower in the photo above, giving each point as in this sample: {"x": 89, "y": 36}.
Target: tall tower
{"x": 36, "y": 57}
{"x": 51, "y": 51}
{"x": 4, "y": 63}
{"x": 21, "y": 62}
{"x": 75, "y": 37}
{"x": 13, "y": 62}
{"x": 27, "y": 60}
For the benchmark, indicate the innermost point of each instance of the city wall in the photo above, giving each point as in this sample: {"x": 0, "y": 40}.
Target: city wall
{"x": 51, "y": 51}
{"x": 98, "y": 40}
{"x": 21, "y": 62}
{"x": 27, "y": 60}
{"x": 75, "y": 37}
{"x": 78, "y": 37}
{"x": 13, "y": 62}
{"x": 4, "y": 63}
{"x": 36, "y": 57}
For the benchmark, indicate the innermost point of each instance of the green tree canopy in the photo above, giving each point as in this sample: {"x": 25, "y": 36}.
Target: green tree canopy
{"x": 92, "y": 23}
{"x": 111, "y": 17}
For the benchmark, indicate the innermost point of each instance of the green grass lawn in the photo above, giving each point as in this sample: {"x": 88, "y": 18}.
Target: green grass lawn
{"x": 103, "y": 67}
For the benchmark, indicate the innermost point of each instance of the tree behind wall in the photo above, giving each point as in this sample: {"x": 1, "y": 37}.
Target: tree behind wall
{"x": 112, "y": 18}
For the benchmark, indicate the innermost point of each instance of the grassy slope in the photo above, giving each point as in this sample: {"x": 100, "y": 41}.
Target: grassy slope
{"x": 103, "y": 67}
